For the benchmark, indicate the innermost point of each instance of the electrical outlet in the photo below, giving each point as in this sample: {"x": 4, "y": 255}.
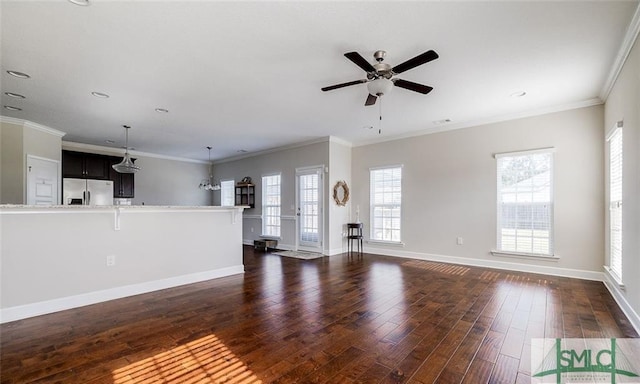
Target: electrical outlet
{"x": 111, "y": 260}
{"x": 459, "y": 240}
{"x": 251, "y": 229}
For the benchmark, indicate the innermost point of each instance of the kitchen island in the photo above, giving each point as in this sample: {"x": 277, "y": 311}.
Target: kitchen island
{"x": 61, "y": 257}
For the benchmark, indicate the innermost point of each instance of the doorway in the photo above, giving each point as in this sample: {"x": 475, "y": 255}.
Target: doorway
{"x": 309, "y": 182}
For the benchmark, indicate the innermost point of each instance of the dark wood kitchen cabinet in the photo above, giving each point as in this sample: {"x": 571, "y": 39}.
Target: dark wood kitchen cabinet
{"x": 83, "y": 165}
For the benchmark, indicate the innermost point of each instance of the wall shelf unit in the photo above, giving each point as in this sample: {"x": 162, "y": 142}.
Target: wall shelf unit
{"x": 245, "y": 194}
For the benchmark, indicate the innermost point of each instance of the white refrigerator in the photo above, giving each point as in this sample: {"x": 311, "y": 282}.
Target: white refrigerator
{"x": 87, "y": 192}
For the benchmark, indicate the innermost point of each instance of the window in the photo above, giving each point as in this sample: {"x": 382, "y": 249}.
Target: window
{"x": 525, "y": 202}
{"x": 227, "y": 190}
{"x": 615, "y": 203}
{"x": 386, "y": 203}
{"x": 271, "y": 206}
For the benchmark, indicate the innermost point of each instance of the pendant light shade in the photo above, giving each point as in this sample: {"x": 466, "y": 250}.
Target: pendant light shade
{"x": 126, "y": 165}
{"x": 206, "y": 183}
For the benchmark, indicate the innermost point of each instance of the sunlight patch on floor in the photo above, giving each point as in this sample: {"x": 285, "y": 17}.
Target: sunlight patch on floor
{"x": 450, "y": 269}
{"x": 206, "y": 360}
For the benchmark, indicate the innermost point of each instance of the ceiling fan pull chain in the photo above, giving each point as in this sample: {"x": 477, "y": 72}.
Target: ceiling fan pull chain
{"x": 380, "y": 106}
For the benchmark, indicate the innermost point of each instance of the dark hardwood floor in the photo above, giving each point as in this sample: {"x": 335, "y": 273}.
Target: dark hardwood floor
{"x": 372, "y": 319}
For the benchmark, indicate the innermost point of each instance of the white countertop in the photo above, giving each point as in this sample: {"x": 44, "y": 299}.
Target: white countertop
{"x": 7, "y": 208}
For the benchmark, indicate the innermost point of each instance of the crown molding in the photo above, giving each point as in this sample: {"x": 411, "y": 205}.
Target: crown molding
{"x": 629, "y": 40}
{"x": 276, "y": 149}
{"x": 337, "y": 140}
{"x": 11, "y": 120}
{"x": 32, "y": 125}
{"x": 489, "y": 120}
{"x": 71, "y": 145}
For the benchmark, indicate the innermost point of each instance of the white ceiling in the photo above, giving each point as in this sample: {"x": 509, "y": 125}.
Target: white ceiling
{"x": 247, "y": 75}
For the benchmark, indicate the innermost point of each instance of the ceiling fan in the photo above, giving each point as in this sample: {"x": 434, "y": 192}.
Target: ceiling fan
{"x": 380, "y": 75}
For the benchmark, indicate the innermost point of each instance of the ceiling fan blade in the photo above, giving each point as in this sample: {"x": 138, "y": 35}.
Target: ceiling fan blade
{"x": 424, "y": 89}
{"x": 332, "y": 87}
{"x": 416, "y": 61}
{"x": 360, "y": 61}
{"x": 371, "y": 100}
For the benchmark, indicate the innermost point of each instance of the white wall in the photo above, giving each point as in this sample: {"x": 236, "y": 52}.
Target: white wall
{"x": 284, "y": 162}
{"x": 339, "y": 169}
{"x": 170, "y": 182}
{"x": 623, "y": 104}
{"x": 11, "y": 164}
{"x": 449, "y": 188}
{"x": 154, "y": 248}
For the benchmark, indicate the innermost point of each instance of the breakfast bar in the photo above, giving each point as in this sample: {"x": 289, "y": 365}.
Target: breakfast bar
{"x": 60, "y": 257}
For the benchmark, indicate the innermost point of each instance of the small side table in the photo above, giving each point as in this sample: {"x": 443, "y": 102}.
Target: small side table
{"x": 354, "y": 233}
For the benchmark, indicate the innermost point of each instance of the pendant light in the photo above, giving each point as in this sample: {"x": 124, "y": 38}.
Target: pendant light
{"x": 206, "y": 183}
{"x": 126, "y": 165}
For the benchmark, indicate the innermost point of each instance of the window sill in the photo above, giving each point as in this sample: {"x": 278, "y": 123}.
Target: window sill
{"x": 614, "y": 277}
{"x": 522, "y": 255}
{"x": 383, "y": 242}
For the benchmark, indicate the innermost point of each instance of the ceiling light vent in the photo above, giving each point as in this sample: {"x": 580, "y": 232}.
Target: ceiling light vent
{"x": 14, "y": 95}
{"x": 19, "y": 75}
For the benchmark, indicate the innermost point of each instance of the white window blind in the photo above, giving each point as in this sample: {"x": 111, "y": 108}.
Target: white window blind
{"x": 386, "y": 203}
{"x": 271, "y": 206}
{"x": 615, "y": 202}
{"x": 525, "y": 202}
{"x": 227, "y": 190}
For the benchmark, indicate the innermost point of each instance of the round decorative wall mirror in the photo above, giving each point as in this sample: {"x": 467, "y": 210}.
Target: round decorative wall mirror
{"x": 341, "y": 193}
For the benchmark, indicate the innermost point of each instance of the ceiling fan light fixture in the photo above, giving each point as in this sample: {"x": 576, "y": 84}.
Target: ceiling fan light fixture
{"x": 380, "y": 86}
{"x": 126, "y": 165}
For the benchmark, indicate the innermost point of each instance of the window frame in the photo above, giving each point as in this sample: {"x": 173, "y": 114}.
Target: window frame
{"x": 615, "y": 270}
{"x": 372, "y": 207}
{"x": 265, "y": 207}
{"x": 232, "y": 191}
{"x": 499, "y": 251}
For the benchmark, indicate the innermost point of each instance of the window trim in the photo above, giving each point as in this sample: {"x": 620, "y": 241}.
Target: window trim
{"x": 616, "y": 275}
{"x": 527, "y": 255}
{"x": 233, "y": 191}
{"x": 371, "y": 207}
{"x": 262, "y": 202}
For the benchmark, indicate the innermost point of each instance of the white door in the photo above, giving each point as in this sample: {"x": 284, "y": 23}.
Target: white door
{"x": 42, "y": 181}
{"x": 309, "y": 200}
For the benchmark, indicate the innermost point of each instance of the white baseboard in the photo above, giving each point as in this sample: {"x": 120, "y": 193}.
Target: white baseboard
{"x": 620, "y": 298}
{"x": 336, "y": 251}
{"x": 61, "y": 304}
{"x": 520, "y": 267}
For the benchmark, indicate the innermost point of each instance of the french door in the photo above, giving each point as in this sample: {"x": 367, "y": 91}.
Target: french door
{"x": 309, "y": 211}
